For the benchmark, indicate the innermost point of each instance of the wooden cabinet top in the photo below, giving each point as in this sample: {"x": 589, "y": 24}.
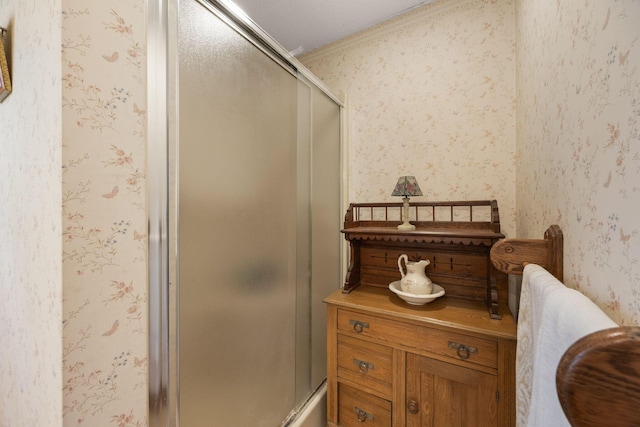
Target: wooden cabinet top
{"x": 453, "y": 216}
{"x": 470, "y": 222}
{"x": 466, "y": 236}
{"x": 470, "y": 316}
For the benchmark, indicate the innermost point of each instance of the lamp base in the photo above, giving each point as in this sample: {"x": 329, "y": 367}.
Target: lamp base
{"x": 406, "y": 227}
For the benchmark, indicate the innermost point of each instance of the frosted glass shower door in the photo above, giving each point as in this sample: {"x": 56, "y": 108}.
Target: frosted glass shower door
{"x": 237, "y": 227}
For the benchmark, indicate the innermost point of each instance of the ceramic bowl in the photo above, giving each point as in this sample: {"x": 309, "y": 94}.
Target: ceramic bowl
{"x": 414, "y": 299}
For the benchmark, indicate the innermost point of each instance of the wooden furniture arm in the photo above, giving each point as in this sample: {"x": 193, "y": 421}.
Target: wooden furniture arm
{"x": 511, "y": 255}
{"x": 598, "y": 379}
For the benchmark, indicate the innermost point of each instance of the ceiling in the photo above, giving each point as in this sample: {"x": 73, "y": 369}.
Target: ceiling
{"x": 303, "y": 25}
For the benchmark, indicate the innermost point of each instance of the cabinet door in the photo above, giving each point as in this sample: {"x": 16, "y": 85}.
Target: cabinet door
{"x": 440, "y": 394}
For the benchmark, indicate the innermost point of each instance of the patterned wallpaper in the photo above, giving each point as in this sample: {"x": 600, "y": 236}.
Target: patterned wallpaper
{"x": 579, "y": 142}
{"x": 104, "y": 220}
{"x": 30, "y": 224}
{"x": 434, "y": 93}
{"x": 430, "y": 94}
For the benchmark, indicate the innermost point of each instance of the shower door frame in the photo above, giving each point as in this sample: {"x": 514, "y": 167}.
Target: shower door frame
{"x": 162, "y": 131}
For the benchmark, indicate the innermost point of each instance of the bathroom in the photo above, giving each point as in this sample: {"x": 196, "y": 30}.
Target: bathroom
{"x": 533, "y": 105}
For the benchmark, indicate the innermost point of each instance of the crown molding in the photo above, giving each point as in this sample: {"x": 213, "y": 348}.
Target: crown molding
{"x": 429, "y": 11}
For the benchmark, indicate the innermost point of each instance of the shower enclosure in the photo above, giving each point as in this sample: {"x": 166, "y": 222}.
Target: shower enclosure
{"x": 245, "y": 242}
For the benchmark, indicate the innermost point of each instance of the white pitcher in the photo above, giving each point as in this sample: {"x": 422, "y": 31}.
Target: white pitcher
{"x": 415, "y": 281}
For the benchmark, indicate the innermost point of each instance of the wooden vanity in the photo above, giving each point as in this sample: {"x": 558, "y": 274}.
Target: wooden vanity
{"x": 450, "y": 362}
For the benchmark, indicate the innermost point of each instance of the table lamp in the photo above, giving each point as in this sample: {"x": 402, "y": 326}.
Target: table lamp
{"x": 406, "y": 186}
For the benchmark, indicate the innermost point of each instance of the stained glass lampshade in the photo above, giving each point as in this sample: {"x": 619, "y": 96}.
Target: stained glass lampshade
{"x": 407, "y": 186}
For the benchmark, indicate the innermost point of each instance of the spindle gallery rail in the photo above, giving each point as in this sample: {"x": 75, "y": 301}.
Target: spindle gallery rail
{"x": 467, "y": 214}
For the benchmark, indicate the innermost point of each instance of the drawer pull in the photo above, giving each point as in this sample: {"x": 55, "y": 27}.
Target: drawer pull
{"x": 463, "y": 351}
{"x": 363, "y": 366}
{"x": 358, "y": 326}
{"x": 413, "y": 407}
{"x": 363, "y": 415}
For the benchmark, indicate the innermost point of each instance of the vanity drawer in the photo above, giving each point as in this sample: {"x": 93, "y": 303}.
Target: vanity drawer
{"x": 446, "y": 343}
{"x": 357, "y": 408}
{"x": 366, "y": 364}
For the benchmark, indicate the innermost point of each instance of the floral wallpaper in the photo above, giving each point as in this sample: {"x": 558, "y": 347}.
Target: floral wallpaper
{"x": 30, "y": 222}
{"x": 104, "y": 354}
{"x": 578, "y": 162}
{"x": 434, "y": 93}
{"x": 430, "y": 94}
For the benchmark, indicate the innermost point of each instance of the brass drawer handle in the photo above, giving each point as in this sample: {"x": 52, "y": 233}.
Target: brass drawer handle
{"x": 363, "y": 415}
{"x": 363, "y": 366}
{"x": 358, "y": 326}
{"x": 463, "y": 351}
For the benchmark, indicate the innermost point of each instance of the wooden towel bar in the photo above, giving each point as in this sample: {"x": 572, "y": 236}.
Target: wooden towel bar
{"x": 598, "y": 377}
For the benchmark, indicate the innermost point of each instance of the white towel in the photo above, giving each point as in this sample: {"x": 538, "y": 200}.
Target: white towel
{"x": 551, "y": 318}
